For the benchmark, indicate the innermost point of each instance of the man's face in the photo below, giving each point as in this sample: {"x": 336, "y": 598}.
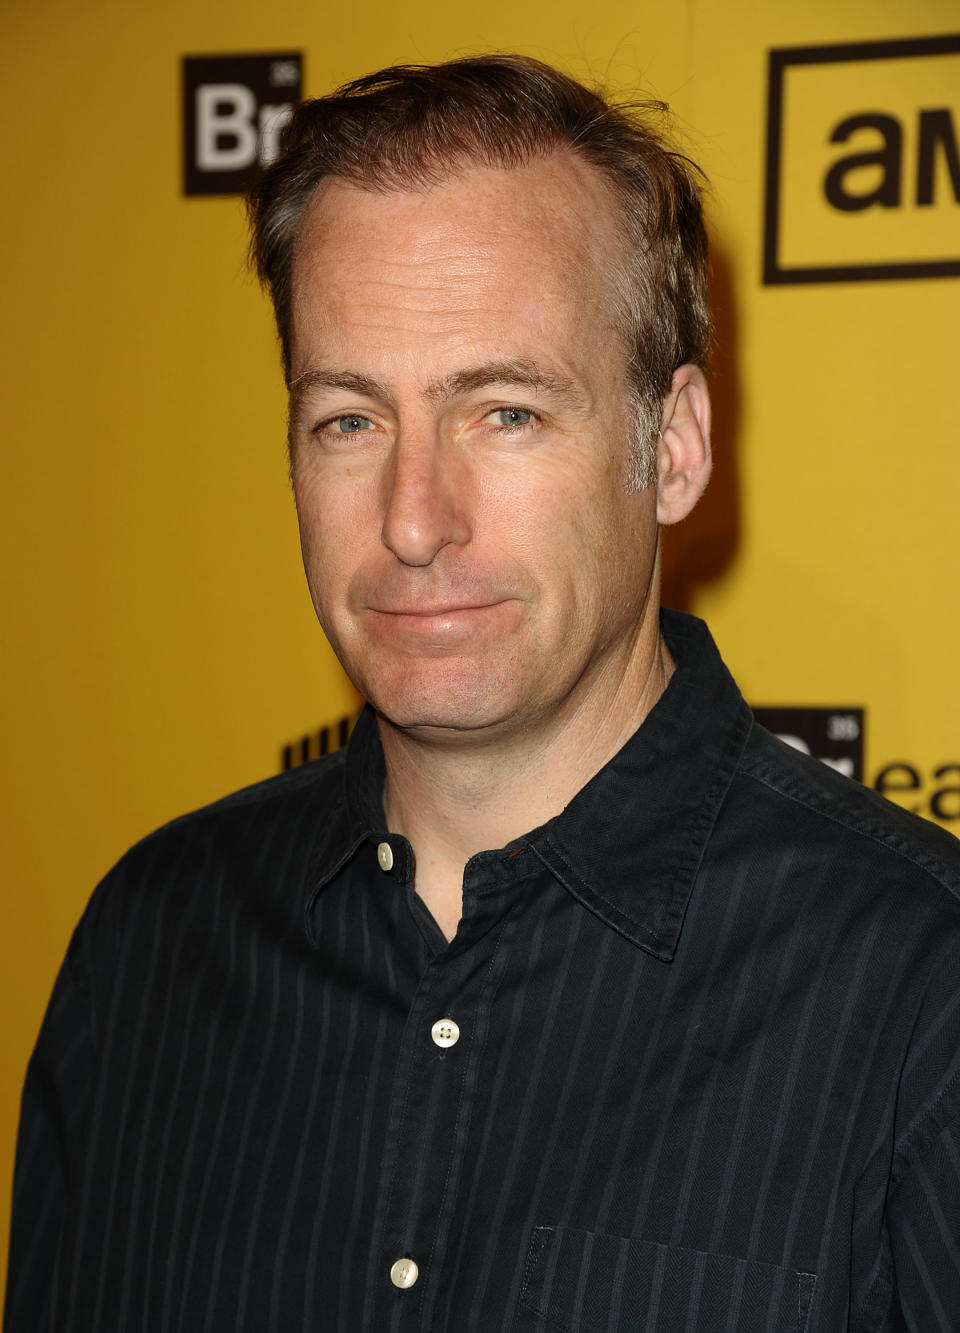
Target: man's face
{"x": 460, "y": 434}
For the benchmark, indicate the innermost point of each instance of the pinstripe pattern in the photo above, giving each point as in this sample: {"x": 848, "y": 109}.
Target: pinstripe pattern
{"x": 708, "y": 1076}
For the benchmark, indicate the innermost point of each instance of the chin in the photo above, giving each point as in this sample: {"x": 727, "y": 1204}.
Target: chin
{"x": 468, "y": 704}
{"x": 436, "y": 716}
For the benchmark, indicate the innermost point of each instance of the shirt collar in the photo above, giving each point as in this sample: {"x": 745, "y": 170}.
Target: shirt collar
{"x": 629, "y": 844}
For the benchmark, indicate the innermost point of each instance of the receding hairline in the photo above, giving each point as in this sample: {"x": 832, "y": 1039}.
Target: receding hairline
{"x": 610, "y": 265}
{"x": 460, "y": 168}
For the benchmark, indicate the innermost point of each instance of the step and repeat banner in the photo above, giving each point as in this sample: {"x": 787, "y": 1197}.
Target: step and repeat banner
{"x": 160, "y": 645}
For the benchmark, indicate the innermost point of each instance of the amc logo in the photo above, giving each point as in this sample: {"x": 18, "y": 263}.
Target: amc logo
{"x": 234, "y": 109}
{"x": 863, "y": 162}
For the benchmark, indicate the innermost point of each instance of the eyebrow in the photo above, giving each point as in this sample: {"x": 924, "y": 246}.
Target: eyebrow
{"x": 351, "y": 381}
{"x": 521, "y": 371}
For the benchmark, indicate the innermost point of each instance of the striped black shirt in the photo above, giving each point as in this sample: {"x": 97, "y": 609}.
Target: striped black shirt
{"x": 691, "y": 1062}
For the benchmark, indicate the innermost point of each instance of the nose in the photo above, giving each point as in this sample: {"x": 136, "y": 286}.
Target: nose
{"x": 425, "y": 502}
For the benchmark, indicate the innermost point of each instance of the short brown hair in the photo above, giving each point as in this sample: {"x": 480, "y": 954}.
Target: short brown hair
{"x": 412, "y": 126}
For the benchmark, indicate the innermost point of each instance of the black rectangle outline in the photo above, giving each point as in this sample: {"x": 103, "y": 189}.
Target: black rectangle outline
{"x": 780, "y": 59}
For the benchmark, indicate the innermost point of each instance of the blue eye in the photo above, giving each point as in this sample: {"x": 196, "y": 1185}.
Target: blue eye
{"x": 352, "y": 425}
{"x": 514, "y": 416}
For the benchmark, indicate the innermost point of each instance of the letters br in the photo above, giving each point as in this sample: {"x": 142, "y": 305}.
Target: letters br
{"x": 234, "y": 110}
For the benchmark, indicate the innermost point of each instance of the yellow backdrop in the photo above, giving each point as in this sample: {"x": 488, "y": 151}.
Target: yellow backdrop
{"x": 160, "y": 647}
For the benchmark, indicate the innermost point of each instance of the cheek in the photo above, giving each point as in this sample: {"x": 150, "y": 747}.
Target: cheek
{"x": 331, "y": 521}
{"x": 618, "y": 551}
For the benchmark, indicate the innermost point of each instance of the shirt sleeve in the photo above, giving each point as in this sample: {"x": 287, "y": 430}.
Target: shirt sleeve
{"x": 923, "y": 1221}
{"x": 53, "y": 1118}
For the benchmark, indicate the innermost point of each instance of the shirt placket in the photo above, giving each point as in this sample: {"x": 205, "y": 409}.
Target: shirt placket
{"x": 433, "y": 1100}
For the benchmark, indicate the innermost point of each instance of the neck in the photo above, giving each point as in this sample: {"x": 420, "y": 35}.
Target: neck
{"x": 454, "y": 800}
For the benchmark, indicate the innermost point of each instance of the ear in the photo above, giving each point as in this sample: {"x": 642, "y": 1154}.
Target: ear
{"x": 683, "y": 449}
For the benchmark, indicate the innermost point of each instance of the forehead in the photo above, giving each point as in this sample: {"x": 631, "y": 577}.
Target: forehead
{"x": 491, "y": 252}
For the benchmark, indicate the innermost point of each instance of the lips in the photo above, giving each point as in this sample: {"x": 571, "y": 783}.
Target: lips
{"x": 441, "y": 624}
{"x": 431, "y": 612}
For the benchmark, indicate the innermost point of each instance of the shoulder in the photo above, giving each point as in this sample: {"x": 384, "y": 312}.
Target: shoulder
{"x": 844, "y": 819}
{"x": 252, "y": 850}
{"x": 873, "y": 893}
{"x": 315, "y": 776}
{"x": 855, "y": 817}
{"x": 289, "y": 804}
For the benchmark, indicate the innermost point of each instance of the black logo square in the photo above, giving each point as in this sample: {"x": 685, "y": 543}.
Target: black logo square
{"x": 234, "y": 109}
{"x": 832, "y": 735}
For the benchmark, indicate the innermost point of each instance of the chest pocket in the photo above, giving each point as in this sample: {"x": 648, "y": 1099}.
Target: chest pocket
{"x": 588, "y": 1282}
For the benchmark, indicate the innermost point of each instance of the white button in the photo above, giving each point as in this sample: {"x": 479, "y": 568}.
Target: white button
{"x": 385, "y": 857}
{"x": 445, "y": 1032}
{"x": 404, "y": 1272}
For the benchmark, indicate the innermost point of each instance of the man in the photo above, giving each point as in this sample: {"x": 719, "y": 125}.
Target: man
{"x": 566, "y": 998}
